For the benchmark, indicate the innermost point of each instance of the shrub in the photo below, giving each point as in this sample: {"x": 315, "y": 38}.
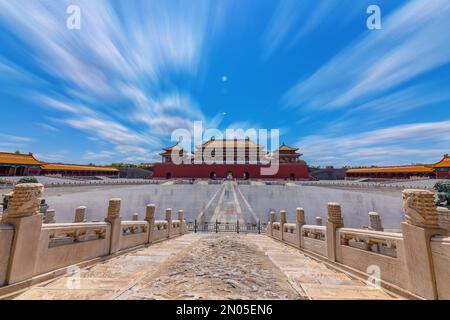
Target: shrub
{"x": 28, "y": 180}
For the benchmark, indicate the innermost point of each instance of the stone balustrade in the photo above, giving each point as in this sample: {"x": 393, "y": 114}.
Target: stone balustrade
{"x": 414, "y": 262}
{"x": 443, "y": 217}
{"x": 33, "y": 248}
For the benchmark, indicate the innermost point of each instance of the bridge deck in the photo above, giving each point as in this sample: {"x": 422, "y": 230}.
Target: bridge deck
{"x": 208, "y": 266}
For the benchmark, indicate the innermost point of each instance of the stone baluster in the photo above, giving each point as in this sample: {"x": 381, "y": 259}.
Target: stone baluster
{"x": 299, "y": 224}
{"x": 49, "y": 216}
{"x": 182, "y": 222}
{"x": 272, "y": 220}
{"x": 282, "y": 222}
{"x": 150, "y": 218}
{"x": 421, "y": 223}
{"x": 334, "y": 222}
{"x": 23, "y": 214}
{"x": 43, "y": 207}
{"x": 375, "y": 221}
{"x": 169, "y": 221}
{"x": 80, "y": 214}
{"x": 318, "y": 221}
{"x": 115, "y": 220}
{"x": 135, "y": 216}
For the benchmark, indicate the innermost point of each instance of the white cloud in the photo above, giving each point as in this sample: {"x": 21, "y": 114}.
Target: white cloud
{"x": 111, "y": 73}
{"x": 414, "y": 40}
{"x": 292, "y": 20}
{"x": 385, "y": 146}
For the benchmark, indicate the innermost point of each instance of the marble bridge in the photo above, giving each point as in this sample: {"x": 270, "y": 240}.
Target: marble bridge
{"x": 160, "y": 259}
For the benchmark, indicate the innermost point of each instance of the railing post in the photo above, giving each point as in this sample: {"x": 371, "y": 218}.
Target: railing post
{"x": 150, "y": 218}
{"x": 182, "y": 222}
{"x": 217, "y": 226}
{"x": 49, "y": 216}
{"x": 375, "y": 221}
{"x": 23, "y": 214}
{"x": 282, "y": 222}
{"x": 195, "y": 226}
{"x": 80, "y": 214}
{"x": 272, "y": 220}
{"x": 318, "y": 221}
{"x": 300, "y": 223}
{"x": 237, "y": 226}
{"x": 169, "y": 221}
{"x": 259, "y": 226}
{"x": 421, "y": 223}
{"x": 334, "y": 221}
{"x": 115, "y": 220}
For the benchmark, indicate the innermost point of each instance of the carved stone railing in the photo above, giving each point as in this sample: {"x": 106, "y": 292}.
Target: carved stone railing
{"x": 160, "y": 230}
{"x": 383, "y": 243}
{"x": 289, "y": 228}
{"x": 6, "y": 238}
{"x": 440, "y": 250}
{"x": 176, "y": 223}
{"x": 134, "y": 233}
{"x": 314, "y": 232}
{"x": 29, "y": 249}
{"x": 276, "y": 226}
{"x": 65, "y": 244}
{"x": 414, "y": 262}
{"x": 134, "y": 227}
{"x": 161, "y": 225}
{"x": 68, "y": 233}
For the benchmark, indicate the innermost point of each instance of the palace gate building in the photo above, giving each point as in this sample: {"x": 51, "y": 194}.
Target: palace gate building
{"x": 230, "y": 158}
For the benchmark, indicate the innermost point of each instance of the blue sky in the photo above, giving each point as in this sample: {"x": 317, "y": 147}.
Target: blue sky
{"x": 136, "y": 70}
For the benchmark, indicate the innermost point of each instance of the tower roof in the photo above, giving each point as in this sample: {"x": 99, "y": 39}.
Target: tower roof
{"x": 230, "y": 143}
{"x": 444, "y": 163}
{"x": 18, "y": 158}
{"x": 284, "y": 147}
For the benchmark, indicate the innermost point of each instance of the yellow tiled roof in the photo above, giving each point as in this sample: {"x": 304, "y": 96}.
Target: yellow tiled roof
{"x": 445, "y": 162}
{"x": 230, "y": 143}
{"x": 286, "y": 148}
{"x": 18, "y": 158}
{"x": 394, "y": 169}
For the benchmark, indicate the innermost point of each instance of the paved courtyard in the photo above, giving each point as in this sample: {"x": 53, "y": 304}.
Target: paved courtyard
{"x": 208, "y": 266}
{"x": 207, "y": 202}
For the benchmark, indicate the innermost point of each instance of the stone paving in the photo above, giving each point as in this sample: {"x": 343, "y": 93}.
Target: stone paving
{"x": 195, "y": 199}
{"x": 208, "y": 266}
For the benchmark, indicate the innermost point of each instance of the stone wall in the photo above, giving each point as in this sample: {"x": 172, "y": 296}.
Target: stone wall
{"x": 6, "y": 237}
{"x": 415, "y": 262}
{"x": 440, "y": 248}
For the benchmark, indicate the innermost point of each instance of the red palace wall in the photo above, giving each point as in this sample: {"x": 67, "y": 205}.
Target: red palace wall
{"x": 300, "y": 171}
{"x": 443, "y": 174}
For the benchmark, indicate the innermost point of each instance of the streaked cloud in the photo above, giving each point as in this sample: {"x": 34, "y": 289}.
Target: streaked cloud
{"x": 412, "y": 42}
{"x": 391, "y": 145}
{"x": 112, "y": 74}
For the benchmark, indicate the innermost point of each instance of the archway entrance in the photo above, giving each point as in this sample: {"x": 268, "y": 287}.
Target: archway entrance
{"x": 246, "y": 175}
{"x": 212, "y": 175}
{"x": 168, "y": 175}
{"x": 230, "y": 175}
{"x": 292, "y": 176}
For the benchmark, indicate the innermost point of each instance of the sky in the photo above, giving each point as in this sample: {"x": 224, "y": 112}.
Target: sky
{"x": 115, "y": 89}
